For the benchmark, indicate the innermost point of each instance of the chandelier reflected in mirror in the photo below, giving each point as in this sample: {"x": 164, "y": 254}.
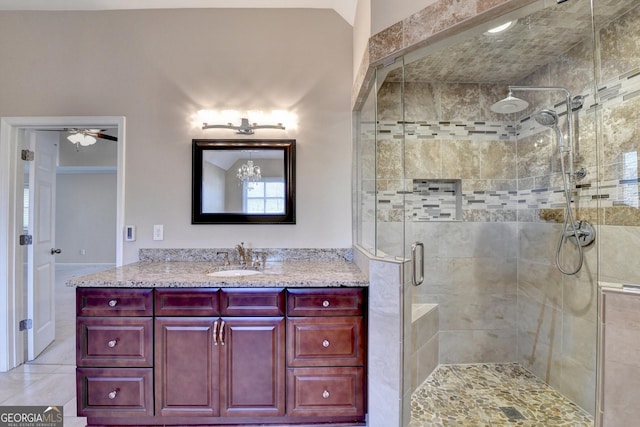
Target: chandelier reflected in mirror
{"x": 249, "y": 172}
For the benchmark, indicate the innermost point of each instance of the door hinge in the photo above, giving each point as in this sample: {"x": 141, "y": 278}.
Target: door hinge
{"x": 27, "y": 155}
{"x": 26, "y": 239}
{"x": 25, "y": 324}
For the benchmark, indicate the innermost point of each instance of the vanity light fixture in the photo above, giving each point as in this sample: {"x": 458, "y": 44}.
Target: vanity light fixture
{"x": 245, "y": 122}
{"x": 245, "y": 127}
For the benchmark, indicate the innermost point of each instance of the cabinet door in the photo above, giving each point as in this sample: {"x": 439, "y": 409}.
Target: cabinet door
{"x": 253, "y": 374}
{"x": 186, "y": 366}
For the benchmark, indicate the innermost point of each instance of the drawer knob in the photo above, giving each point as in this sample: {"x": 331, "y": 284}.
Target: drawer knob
{"x": 112, "y": 343}
{"x": 326, "y": 303}
{"x": 113, "y": 303}
{"x": 325, "y": 343}
{"x": 325, "y": 394}
{"x": 112, "y": 395}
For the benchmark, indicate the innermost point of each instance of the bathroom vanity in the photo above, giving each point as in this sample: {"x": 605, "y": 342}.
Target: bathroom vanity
{"x": 170, "y": 344}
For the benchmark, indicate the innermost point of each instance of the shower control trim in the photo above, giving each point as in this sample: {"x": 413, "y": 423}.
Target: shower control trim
{"x": 583, "y": 231}
{"x": 580, "y": 174}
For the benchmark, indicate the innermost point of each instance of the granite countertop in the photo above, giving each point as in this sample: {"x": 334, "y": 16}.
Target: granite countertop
{"x": 151, "y": 274}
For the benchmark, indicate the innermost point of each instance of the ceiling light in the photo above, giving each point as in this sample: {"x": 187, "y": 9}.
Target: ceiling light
{"x": 82, "y": 137}
{"x": 501, "y": 28}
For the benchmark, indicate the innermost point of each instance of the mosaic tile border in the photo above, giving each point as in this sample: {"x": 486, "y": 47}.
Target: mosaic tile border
{"x": 503, "y": 205}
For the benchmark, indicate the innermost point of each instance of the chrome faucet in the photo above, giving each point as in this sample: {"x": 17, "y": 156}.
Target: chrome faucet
{"x": 241, "y": 257}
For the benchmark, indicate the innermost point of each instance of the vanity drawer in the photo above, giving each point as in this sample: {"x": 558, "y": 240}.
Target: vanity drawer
{"x": 325, "y": 302}
{"x": 114, "y": 302}
{"x": 324, "y": 341}
{"x": 187, "y": 302}
{"x": 252, "y": 302}
{"x": 115, "y": 392}
{"x": 319, "y": 392}
{"x": 114, "y": 341}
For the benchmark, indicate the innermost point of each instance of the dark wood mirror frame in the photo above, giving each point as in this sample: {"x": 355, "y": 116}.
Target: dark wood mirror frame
{"x": 199, "y": 149}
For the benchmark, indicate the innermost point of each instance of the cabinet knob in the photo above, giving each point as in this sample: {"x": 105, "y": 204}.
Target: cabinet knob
{"x": 326, "y": 303}
{"x": 112, "y": 343}
{"x": 113, "y": 303}
{"x": 325, "y": 394}
{"x": 112, "y": 395}
{"x": 325, "y": 343}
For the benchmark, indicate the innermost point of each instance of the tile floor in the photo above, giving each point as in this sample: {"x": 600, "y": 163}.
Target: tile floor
{"x": 50, "y": 379}
{"x": 491, "y": 395}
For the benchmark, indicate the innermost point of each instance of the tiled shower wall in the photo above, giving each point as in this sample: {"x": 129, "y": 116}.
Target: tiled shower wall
{"x": 492, "y": 271}
{"x": 620, "y": 71}
{"x": 471, "y": 257}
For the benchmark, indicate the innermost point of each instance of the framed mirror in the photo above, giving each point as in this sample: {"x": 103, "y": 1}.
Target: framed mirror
{"x": 236, "y": 181}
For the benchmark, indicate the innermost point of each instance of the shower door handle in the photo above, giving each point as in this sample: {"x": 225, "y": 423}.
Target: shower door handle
{"x": 414, "y": 263}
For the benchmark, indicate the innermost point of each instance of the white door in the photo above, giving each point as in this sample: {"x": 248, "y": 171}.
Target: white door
{"x": 41, "y": 275}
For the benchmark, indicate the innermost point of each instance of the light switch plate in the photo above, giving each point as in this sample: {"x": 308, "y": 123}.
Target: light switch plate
{"x": 158, "y": 232}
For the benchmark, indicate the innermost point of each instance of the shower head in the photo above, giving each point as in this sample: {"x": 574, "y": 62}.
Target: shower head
{"x": 509, "y": 105}
{"x": 546, "y": 117}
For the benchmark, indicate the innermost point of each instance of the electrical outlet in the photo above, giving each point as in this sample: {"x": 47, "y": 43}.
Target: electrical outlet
{"x": 158, "y": 232}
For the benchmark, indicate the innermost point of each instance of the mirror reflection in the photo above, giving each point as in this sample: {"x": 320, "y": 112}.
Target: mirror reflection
{"x": 243, "y": 181}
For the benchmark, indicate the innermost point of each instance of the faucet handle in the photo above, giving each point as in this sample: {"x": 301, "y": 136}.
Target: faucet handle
{"x": 260, "y": 259}
{"x": 226, "y": 257}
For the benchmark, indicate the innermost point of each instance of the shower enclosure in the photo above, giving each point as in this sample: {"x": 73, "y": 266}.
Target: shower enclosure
{"x": 484, "y": 191}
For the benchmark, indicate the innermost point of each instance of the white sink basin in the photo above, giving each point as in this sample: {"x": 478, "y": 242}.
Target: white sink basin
{"x": 233, "y": 273}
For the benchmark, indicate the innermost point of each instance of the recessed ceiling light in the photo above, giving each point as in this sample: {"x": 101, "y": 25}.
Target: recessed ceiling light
{"x": 501, "y": 28}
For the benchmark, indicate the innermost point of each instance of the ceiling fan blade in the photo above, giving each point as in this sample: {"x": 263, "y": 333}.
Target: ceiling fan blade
{"x": 105, "y": 136}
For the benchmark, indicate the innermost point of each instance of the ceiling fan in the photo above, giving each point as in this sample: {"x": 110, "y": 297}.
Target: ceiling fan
{"x": 86, "y": 137}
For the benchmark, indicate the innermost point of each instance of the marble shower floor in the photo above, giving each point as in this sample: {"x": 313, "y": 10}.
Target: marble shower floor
{"x": 491, "y": 395}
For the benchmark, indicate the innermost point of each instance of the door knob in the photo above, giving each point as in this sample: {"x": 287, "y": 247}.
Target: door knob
{"x": 55, "y": 251}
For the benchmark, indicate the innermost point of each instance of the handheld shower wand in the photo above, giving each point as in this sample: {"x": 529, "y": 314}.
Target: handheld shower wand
{"x": 581, "y": 233}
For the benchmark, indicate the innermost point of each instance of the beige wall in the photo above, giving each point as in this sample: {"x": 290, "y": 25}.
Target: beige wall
{"x": 159, "y": 67}
{"x": 85, "y": 219}
{"x": 361, "y": 33}
{"x": 385, "y": 13}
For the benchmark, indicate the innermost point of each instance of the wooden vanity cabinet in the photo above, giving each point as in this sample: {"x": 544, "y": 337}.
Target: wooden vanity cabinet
{"x": 213, "y": 357}
{"x": 227, "y": 361}
{"x": 326, "y": 353}
{"x": 114, "y": 352}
